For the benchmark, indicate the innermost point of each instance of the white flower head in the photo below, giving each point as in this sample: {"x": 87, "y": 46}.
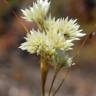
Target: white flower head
{"x": 70, "y": 28}
{"x": 37, "y": 42}
{"x": 51, "y": 24}
{"x": 38, "y": 12}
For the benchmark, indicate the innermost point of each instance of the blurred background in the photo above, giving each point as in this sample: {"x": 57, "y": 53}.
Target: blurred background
{"x": 20, "y": 71}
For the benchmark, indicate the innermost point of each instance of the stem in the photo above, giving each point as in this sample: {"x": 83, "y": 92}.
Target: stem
{"x": 53, "y": 80}
{"x": 44, "y": 72}
{"x": 60, "y": 85}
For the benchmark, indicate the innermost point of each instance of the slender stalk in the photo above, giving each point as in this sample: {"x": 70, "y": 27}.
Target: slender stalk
{"x": 44, "y": 72}
{"x": 60, "y": 85}
{"x": 53, "y": 80}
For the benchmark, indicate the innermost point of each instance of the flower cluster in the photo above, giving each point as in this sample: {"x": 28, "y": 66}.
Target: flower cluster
{"x": 54, "y": 37}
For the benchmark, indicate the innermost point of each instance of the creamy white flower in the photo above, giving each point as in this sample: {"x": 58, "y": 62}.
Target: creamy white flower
{"x": 37, "y": 42}
{"x": 38, "y": 12}
{"x": 56, "y": 38}
{"x": 59, "y": 42}
{"x": 45, "y": 43}
{"x": 70, "y": 28}
{"x": 67, "y": 31}
{"x": 33, "y": 42}
{"x": 51, "y": 24}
